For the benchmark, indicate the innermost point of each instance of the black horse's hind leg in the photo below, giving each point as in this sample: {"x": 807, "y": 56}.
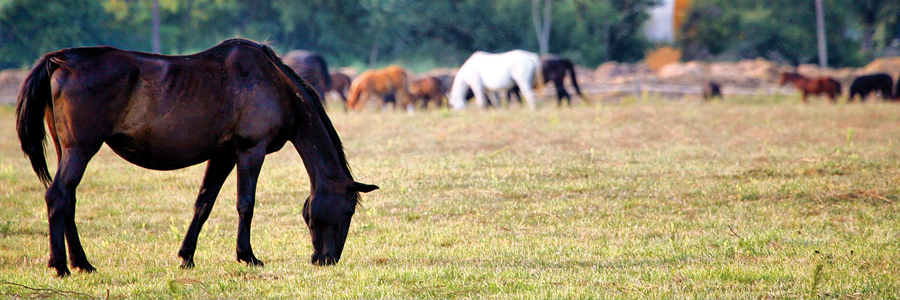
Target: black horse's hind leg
{"x": 217, "y": 171}
{"x": 60, "y": 197}
{"x": 248, "y": 163}
{"x": 561, "y": 93}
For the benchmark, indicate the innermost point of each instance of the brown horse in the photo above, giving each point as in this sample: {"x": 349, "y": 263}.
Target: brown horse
{"x": 340, "y": 83}
{"x": 820, "y": 85}
{"x": 227, "y": 106}
{"x": 312, "y": 68}
{"x": 428, "y": 89}
{"x": 378, "y": 83}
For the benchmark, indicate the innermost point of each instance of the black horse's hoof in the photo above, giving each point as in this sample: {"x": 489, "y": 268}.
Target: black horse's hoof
{"x": 84, "y": 267}
{"x": 187, "y": 264}
{"x": 62, "y": 272}
{"x": 252, "y": 260}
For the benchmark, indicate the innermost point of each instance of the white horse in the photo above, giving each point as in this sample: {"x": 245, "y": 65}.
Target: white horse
{"x": 497, "y": 72}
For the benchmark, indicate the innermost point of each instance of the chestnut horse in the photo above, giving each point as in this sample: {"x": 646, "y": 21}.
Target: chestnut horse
{"x": 378, "y": 83}
{"x": 427, "y": 89}
{"x": 312, "y": 68}
{"x": 227, "y": 106}
{"x": 820, "y": 85}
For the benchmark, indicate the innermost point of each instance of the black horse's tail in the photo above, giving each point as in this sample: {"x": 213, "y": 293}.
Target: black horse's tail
{"x": 571, "y": 68}
{"x": 34, "y": 99}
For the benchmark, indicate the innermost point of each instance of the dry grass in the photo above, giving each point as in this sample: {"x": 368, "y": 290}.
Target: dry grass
{"x": 637, "y": 200}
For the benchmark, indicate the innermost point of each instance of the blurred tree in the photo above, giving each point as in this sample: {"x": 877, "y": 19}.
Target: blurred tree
{"x": 32, "y": 28}
{"x": 874, "y": 15}
{"x": 780, "y": 30}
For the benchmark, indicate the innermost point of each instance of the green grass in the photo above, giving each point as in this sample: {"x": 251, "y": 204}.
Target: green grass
{"x": 734, "y": 199}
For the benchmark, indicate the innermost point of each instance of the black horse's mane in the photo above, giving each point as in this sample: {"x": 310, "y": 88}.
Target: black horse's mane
{"x": 307, "y": 92}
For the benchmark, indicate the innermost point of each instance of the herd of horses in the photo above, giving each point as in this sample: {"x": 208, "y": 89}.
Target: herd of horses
{"x": 861, "y": 87}
{"x": 482, "y": 76}
{"x": 233, "y": 104}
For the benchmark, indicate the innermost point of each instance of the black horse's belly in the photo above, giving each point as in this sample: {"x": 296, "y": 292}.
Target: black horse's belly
{"x": 154, "y": 154}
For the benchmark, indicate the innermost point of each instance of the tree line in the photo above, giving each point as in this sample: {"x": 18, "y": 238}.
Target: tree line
{"x": 444, "y": 33}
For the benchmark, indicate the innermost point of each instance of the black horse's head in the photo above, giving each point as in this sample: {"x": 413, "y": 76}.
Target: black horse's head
{"x": 327, "y": 214}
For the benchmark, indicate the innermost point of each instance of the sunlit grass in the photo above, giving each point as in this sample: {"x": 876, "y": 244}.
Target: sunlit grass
{"x": 748, "y": 197}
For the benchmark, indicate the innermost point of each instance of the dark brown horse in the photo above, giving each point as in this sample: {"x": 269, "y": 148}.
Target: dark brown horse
{"x": 821, "y": 85}
{"x": 229, "y": 106}
{"x": 340, "y": 83}
{"x": 312, "y": 68}
{"x": 427, "y": 89}
{"x": 864, "y": 85}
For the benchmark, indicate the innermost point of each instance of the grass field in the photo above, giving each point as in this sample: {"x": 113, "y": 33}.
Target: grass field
{"x": 752, "y": 197}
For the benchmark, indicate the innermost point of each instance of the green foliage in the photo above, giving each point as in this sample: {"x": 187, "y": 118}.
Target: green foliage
{"x": 778, "y": 30}
{"x": 445, "y": 33}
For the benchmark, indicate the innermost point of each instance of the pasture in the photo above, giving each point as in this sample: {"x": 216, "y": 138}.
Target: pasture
{"x": 748, "y": 197}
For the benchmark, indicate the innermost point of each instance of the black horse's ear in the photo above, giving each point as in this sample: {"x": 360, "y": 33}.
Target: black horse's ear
{"x": 362, "y": 187}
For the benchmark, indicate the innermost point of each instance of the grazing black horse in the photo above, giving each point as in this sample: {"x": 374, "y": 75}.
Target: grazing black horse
{"x": 712, "y": 90}
{"x": 897, "y": 90}
{"x": 228, "y": 106}
{"x": 863, "y": 85}
{"x": 312, "y": 68}
{"x": 555, "y": 68}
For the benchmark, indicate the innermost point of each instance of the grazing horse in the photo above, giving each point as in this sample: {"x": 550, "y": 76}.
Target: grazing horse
{"x": 427, "y": 89}
{"x": 863, "y": 85}
{"x": 712, "y": 90}
{"x": 340, "y": 83}
{"x": 379, "y": 82}
{"x": 497, "y": 72}
{"x": 554, "y": 69}
{"x": 826, "y": 85}
{"x": 312, "y": 68}
{"x": 897, "y": 90}
{"x": 227, "y": 106}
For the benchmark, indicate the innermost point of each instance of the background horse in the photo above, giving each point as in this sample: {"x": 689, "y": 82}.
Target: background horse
{"x": 229, "y": 105}
{"x": 897, "y": 89}
{"x": 712, "y": 90}
{"x": 497, "y": 72}
{"x": 378, "y": 83}
{"x": 863, "y": 85}
{"x": 427, "y": 89}
{"x": 826, "y": 85}
{"x": 554, "y": 69}
{"x": 340, "y": 83}
{"x": 312, "y": 68}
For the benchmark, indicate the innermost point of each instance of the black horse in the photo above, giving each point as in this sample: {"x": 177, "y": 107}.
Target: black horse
{"x": 897, "y": 90}
{"x": 862, "y": 86}
{"x": 712, "y": 90}
{"x": 555, "y": 68}
{"x": 312, "y": 68}
{"x": 228, "y": 106}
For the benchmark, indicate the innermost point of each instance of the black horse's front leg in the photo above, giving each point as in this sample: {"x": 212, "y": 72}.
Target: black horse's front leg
{"x": 249, "y": 163}
{"x": 217, "y": 171}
